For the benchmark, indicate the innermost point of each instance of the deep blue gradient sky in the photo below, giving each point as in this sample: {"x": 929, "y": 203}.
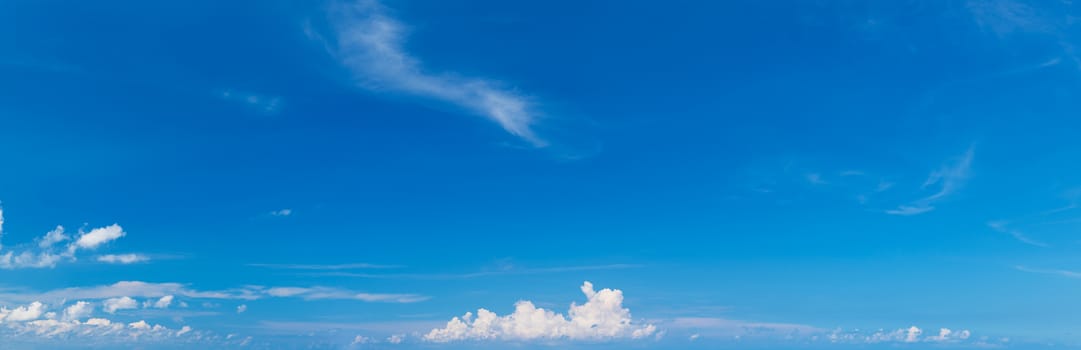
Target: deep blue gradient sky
{"x": 750, "y": 174}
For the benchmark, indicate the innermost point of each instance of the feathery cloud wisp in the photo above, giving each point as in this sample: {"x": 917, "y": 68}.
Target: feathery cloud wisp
{"x": 948, "y": 180}
{"x": 166, "y": 291}
{"x": 122, "y": 258}
{"x": 1000, "y": 226}
{"x": 370, "y": 44}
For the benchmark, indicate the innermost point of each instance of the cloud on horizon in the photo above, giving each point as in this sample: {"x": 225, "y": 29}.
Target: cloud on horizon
{"x": 602, "y": 317}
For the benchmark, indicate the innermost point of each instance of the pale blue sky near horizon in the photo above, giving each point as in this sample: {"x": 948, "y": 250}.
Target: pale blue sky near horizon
{"x": 355, "y": 174}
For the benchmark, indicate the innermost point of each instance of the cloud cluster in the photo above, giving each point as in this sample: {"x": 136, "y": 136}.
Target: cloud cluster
{"x": 35, "y": 319}
{"x": 911, "y": 334}
{"x": 50, "y": 251}
{"x": 370, "y": 44}
{"x": 602, "y": 317}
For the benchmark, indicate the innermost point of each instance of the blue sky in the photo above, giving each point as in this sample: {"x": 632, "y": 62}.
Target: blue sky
{"x": 685, "y": 175}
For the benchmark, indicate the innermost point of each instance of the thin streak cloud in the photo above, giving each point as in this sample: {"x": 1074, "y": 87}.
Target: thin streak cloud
{"x": 948, "y": 180}
{"x": 454, "y": 276}
{"x": 370, "y": 44}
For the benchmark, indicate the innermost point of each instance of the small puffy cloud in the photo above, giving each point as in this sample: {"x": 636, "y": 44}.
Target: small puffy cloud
{"x": 141, "y": 324}
{"x": 122, "y": 303}
{"x": 23, "y": 313}
{"x": 183, "y": 330}
{"x": 122, "y": 258}
{"x": 162, "y": 303}
{"x": 602, "y": 317}
{"x": 98, "y": 322}
{"x": 242, "y": 308}
{"x": 99, "y": 236}
{"x": 913, "y": 334}
{"x": 78, "y": 310}
{"x": 282, "y": 212}
{"x": 360, "y": 339}
{"x": 396, "y": 339}
{"x": 53, "y": 237}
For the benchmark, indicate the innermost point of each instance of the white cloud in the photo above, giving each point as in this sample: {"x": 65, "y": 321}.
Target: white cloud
{"x": 99, "y": 236}
{"x": 396, "y": 339}
{"x": 141, "y": 324}
{"x": 601, "y": 317}
{"x": 242, "y": 308}
{"x": 122, "y": 258}
{"x": 46, "y": 253}
{"x": 78, "y": 310}
{"x": 911, "y": 334}
{"x": 694, "y": 337}
{"x": 183, "y": 330}
{"x": 1, "y": 227}
{"x": 360, "y": 340}
{"x": 112, "y": 305}
{"x": 282, "y": 212}
{"x": 948, "y": 179}
{"x": 53, "y": 237}
{"x": 162, "y": 303}
{"x": 23, "y": 313}
{"x": 318, "y": 293}
{"x": 370, "y": 44}
{"x": 905, "y": 210}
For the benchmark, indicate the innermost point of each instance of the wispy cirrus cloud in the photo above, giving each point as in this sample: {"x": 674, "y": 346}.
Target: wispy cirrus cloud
{"x": 122, "y": 258}
{"x": 1001, "y": 226}
{"x": 507, "y": 270}
{"x": 350, "y": 266}
{"x": 139, "y": 289}
{"x": 945, "y": 182}
{"x": 258, "y": 102}
{"x": 1062, "y": 273}
{"x": 370, "y": 44}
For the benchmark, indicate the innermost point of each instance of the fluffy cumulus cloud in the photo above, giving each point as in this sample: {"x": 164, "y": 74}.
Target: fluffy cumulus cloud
{"x": 96, "y": 237}
{"x": 602, "y": 317}
{"x": 23, "y": 313}
{"x": 50, "y": 250}
{"x": 162, "y": 303}
{"x": 371, "y": 45}
{"x": 112, "y": 305}
{"x": 78, "y": 310}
